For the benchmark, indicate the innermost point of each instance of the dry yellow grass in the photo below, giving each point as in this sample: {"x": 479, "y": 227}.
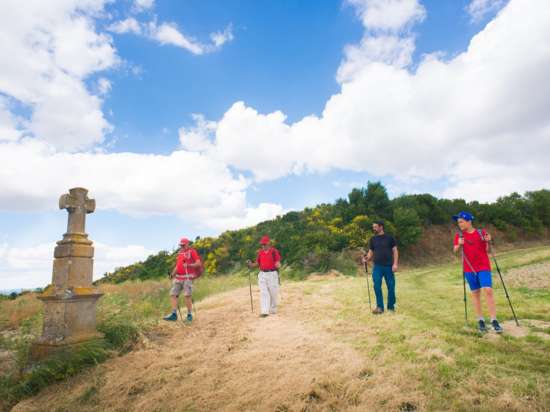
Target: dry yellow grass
{"x": 325, "y": 352}
{"x": 231, "y": 360}
{"x": 14, "y": 312}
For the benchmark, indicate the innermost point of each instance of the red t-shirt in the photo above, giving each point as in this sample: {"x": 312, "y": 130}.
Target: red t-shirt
{"x": 475, "y": 250}
{"x": 186, "y": 256}
{"x": 267, "y": 258}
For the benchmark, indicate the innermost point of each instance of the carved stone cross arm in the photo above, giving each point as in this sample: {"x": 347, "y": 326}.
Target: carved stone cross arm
{"x": 78, "y": 205}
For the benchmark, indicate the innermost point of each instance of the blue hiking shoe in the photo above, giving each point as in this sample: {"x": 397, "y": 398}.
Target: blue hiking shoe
{"x": 171, "y": 317}
{"x": 482, "y": 327}
{"x": 496, "y": 326}
{"x": 189, "y": 317}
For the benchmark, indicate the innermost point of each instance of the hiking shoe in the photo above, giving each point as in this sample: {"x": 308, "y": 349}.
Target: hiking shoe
{"x": 189, "y": 317}
{"x": 392, "y": 310}
{"x": 378, "y": 311}
{"x": 171, "y": 317}
{"x": 496, "y": 326}
{"x": 482, "y": 327}
{"x": 264, "y": 315}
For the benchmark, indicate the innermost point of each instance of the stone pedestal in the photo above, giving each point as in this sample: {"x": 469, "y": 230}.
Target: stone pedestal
{"x": 70, "y": 301}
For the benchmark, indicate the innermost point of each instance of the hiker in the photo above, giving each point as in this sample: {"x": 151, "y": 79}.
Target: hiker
{"x": 268, "y": 260}
{"x": 383, "y": 250}
{"x": 188, "y": 263}
{"x": 476, "y": 266}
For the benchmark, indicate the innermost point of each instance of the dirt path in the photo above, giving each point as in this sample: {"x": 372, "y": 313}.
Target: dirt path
{"x": 229, "y": 360}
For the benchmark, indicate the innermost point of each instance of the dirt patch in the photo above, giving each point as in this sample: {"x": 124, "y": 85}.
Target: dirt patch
{"x": 511, "y": 329}
{"x": 527, "y": 327}
{"x": 536, "y": 276}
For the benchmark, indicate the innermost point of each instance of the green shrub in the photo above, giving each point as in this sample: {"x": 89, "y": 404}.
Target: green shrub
{"x": 407, "y": 225}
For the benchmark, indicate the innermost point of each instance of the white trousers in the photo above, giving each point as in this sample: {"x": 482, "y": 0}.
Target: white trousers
{"x": 269, "y": 290}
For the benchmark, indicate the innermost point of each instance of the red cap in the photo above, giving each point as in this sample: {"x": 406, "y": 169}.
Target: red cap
{"x": 184, "y": 241}
{"x": 264, "y": 240}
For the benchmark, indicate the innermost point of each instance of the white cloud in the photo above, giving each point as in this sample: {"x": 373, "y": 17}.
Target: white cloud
{"x": 198, "y": 138}
{"x": 129, "y": 25}
{"x": 198, "y": 188}
{"x": 389, "y": 15}
{"x": 142, "y": 5}
{"x": 475, "y": 120}
{"x": 220, "y": 38}
{"x": 48, "y": 50}
{"x": 259, "y": 143}
{"x": 104, "y": 85}
{"x": 391, "y": 50}
{"x": 31, "y": 267}
{"x": 387, "y": 37}
{"x": 249, "y": 216}
{"x": 168, "y": 33}
{"x": 478, "y": 9}
{"x": 9, "y": 130}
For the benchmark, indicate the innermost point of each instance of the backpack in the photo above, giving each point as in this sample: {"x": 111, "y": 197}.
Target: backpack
{"x": 199, "y": 270}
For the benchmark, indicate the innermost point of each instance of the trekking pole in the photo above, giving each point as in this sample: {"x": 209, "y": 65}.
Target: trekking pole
{"x": 368, "y": 286}
{"x": 194, "y": 307}
{"x": 464, "y": 287}
{"x": 250, "y": 288}
{"x": 279, "y": 280}
{"x": 179, "y": 312}
{"x": 502, "y": 280}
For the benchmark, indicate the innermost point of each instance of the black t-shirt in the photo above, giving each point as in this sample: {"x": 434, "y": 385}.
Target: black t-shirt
{"x": 382, "y": 246}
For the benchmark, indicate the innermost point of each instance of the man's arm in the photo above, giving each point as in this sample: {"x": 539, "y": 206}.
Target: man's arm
{"x": 367, "y": 257}
{"x": 173, "y": 272}
{"x": 395, "y": 259}
{"x": 253, "y": 264}
{"x": 277, "y": 259}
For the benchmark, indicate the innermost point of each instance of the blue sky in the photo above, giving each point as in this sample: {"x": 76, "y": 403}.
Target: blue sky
{"x": 192, "y": 117}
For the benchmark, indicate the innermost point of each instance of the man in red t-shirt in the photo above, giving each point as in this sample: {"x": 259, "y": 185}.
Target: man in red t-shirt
{"x": 268, "y": 260}
{"x": 476, "y": 266}
{"x": 185, "y": 270}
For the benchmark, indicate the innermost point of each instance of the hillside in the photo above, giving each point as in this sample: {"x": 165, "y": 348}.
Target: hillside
{"x": 325, "y": 352}
{"x": 322, "y": 237}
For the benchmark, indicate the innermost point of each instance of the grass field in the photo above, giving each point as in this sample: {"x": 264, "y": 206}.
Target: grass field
{"x": 325, "y": 349}
{"x": 452, "y": 365}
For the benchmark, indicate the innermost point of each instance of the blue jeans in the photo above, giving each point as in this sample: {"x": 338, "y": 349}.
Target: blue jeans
{"x": 379, "y": 272}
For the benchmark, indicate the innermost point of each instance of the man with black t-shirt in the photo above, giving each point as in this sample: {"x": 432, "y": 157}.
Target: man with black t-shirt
{"x": 383, "y": 250}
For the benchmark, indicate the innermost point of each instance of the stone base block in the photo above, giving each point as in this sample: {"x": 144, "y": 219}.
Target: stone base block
{"x": 69, "y": 320}
{"x": 41, "y": 350}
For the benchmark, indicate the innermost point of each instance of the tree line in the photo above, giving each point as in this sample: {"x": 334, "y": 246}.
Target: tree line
{"x": 309, "y": 239}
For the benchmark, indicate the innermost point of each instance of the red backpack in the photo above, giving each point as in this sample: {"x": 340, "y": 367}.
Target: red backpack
{"x": 199, "y": 270}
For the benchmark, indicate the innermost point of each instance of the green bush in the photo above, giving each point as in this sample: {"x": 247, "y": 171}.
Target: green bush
{"x": 407, "y": 225}
{"x": 120, "y": 333}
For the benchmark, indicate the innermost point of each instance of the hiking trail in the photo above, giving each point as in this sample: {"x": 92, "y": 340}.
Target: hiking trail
{"x": 228, "y": 359}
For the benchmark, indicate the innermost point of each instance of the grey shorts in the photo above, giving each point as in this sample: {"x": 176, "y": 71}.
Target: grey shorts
{"x": 179, "y": 285}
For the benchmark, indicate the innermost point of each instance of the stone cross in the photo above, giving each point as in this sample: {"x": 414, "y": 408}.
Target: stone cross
{"x": 78, "y": 205}
{"x": 70, "y": 300}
